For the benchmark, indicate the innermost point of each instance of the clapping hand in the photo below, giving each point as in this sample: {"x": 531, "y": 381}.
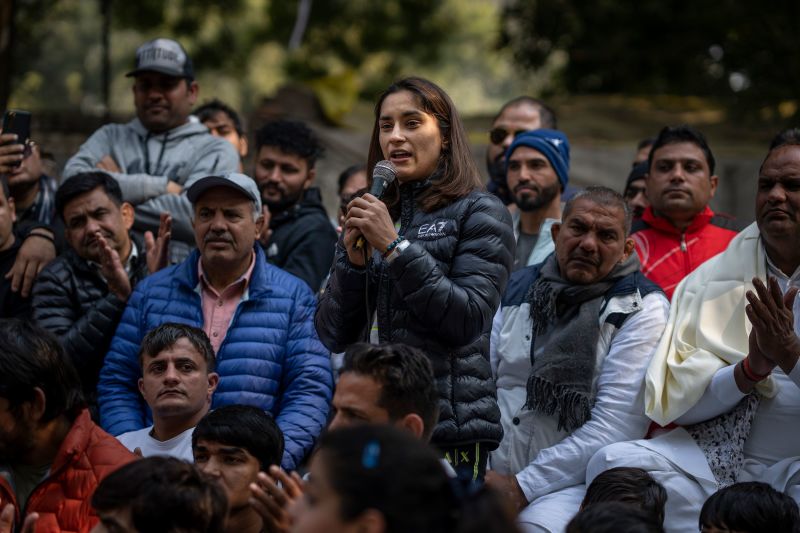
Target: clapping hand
{"x": 112, "y": 270}
{"x": 157, "y": 249}
{"x": 272, "y": 500}
{"x": 772, "y": 315}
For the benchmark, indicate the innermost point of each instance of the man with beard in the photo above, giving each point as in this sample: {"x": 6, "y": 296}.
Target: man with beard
{"x": 157, "y": 156}
{"x": 538, "y": 172}
{"x": 259, "y": 319}
{"x": 52, "y": 456}
{"x": 300, "y": 238}
{"x": 679, "y": 231}
{"x": 521, "y": 114}
{"x": 570, "y": 346}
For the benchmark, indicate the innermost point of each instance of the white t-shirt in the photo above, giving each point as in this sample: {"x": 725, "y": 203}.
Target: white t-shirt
{"x": 179, "y": 446}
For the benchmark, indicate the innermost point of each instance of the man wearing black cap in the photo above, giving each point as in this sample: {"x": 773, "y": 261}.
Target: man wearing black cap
{"x": 259, "y": 319}
{"x": 161, "y": 152}
{"x": 634, "y": 192}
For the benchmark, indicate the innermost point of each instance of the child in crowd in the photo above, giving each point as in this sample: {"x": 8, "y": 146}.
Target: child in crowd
{"x": 613, "y": 517}
{"x": 631, "y": 486}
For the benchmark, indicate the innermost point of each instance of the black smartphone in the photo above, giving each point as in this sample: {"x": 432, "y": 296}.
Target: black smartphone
{"x": 19, "y": 122}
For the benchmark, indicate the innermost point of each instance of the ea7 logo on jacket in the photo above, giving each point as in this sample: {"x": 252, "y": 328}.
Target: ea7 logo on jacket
{"x": 436, "y": 230}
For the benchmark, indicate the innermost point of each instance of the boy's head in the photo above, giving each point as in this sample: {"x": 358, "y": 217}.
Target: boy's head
{"x": 159, "y": 494}
{"x": 232, "y": 444}
{"x": 751, "y": 507}
{"x": 224, "y": 122}
{"x": 632, "y": 486}
{"x": 613, "y": 517}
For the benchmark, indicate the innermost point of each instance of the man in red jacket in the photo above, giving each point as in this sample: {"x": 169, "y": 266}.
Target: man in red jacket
{"x": 52, "y": 456}
{"x": 679, "y": 231}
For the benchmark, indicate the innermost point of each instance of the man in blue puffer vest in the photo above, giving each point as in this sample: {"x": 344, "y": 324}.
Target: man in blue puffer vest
{"x": 258, "y": 317}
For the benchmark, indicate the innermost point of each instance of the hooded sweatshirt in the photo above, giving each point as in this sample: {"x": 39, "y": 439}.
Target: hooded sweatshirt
{"x": 149, "y": 161}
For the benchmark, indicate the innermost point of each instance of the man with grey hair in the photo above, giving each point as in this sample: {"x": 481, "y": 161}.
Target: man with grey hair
{"x": 259, "y": 320}
{"x": 570, "y": 345}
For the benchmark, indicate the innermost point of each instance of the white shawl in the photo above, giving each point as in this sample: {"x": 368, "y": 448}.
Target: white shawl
{"x": 707, "y": 329}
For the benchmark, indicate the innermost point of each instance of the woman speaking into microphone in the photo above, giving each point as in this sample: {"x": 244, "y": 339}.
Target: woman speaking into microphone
{"x": 435, "y": 283}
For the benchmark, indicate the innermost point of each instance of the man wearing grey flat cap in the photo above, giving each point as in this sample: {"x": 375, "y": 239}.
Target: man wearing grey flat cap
{"x": 157, "y": 156}
{"x": 259, "y": 320}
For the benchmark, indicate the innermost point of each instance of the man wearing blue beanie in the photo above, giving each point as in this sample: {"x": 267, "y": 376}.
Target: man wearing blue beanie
{"x": 537, "y": 170}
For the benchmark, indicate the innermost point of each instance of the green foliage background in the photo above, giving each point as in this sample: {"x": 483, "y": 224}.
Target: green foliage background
{"x": 351, "y": 50}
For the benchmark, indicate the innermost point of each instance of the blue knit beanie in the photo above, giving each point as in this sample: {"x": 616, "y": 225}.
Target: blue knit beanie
{"x": 553, "y": 144}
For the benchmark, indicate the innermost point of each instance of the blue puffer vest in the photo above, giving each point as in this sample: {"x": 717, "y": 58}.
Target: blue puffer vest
{"x": 271, "y": 356}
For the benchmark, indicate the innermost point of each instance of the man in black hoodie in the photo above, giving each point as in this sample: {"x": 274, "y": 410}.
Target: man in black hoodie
{"x": 300, "y": 238}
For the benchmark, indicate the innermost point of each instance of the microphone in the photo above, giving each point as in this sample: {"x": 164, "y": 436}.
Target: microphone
{"x": 383, "y": 174}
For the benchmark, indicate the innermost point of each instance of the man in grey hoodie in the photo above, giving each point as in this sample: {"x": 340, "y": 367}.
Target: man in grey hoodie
{"x": 157, "y": 156}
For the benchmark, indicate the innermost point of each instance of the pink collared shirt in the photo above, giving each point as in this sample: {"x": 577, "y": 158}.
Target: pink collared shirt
{"x": 219, "y": 308}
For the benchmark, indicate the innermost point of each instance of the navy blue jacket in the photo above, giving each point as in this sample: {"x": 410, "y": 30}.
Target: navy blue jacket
{"x": 271, "y": 356}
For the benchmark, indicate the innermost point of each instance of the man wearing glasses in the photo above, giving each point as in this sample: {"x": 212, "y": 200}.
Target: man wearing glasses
{"x": 521, "y": 114}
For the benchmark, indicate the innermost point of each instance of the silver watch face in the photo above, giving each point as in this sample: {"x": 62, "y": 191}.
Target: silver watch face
{"x": 402, "y": 245}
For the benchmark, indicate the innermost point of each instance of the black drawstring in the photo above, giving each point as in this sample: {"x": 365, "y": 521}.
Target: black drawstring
{"x": 161, "y": 154}
{"x": 147, "y": 154}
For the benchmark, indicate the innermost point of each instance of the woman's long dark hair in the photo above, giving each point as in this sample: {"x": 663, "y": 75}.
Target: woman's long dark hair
{"x": 457, "y": 173}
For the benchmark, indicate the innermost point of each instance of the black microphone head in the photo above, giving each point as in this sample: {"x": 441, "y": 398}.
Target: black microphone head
{"x": 384, "y": 170}
{"x": 383, "y": 174}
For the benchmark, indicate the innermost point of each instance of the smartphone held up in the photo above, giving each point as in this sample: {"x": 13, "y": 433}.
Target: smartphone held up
{"x": 17, "y": 122}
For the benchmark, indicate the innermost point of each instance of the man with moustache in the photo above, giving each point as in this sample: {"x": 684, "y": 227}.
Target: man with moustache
{"x": 300, "y": 238}
{"x": 523, "y": 113}
{"x": 679, "y": 231}
{"x": 81, "y": 295}
{"x": 570, "y": 346}
{"x": 259, "y": 320}
{"x": 157, "y": 156}
{"x": 538, "y": 172}
{"x": 726, "y": 368}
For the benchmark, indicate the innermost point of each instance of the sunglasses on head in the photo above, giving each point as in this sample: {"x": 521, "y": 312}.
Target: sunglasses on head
{"x": 498, "y": 135}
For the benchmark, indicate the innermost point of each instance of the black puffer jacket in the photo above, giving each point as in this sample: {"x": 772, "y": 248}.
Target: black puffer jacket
{"x": 303, "y": 240}
{"x": 439, "y": 295}
{"x": 71, "y": 300}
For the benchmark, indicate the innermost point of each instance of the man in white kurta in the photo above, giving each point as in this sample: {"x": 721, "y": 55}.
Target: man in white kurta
{"x": 540, "y": 463}
{"x": 733, "y": 328}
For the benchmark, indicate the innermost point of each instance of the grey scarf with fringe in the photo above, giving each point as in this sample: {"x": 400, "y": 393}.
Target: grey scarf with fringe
{"x": 565, "y": 334}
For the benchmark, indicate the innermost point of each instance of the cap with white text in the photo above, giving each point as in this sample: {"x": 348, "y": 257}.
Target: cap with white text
{"x": 165, "y": 56}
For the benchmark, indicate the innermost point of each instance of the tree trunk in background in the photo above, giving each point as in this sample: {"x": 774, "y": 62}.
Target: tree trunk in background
{"x": 6, "y": 49}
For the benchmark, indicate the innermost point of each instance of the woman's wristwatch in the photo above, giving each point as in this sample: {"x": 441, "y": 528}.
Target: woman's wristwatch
{"x": 396, "y": 250}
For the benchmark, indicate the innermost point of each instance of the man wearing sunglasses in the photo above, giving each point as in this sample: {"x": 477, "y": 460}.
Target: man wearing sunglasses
{"x": 521, "y": 114}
